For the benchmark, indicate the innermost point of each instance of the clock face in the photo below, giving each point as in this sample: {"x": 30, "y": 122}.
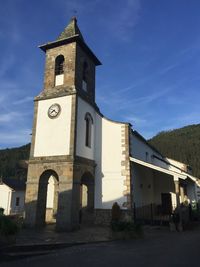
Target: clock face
{"x": 54, "y": 110}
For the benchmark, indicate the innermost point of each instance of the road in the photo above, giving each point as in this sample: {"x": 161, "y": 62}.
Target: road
{"x": 166, "y": 250}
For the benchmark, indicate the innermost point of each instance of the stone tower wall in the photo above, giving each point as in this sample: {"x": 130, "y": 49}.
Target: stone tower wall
{"x": 69, "y": 180}
{"x": 69, "y": 53}
{"x": 82, "y": 57}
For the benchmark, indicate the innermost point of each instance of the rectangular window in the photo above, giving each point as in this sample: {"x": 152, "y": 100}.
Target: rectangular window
{"x": 17, "y": 201}
{"x": 88, "y": 133}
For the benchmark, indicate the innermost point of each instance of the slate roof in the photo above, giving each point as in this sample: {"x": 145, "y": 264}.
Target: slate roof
{"x": 15, "y": 184}
{"x": 71, "y": 30}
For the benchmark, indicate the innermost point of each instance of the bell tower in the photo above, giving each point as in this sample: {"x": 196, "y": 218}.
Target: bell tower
{"x": 69, "y": 73}
{"x": 70, "y": 65}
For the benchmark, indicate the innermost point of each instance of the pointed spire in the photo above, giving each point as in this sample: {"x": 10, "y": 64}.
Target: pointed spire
{"x": 71, "y": 34}
{"x": 71, "y": 30}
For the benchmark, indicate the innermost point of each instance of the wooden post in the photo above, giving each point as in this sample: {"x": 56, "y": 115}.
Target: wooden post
{"x": 177, "y": 191}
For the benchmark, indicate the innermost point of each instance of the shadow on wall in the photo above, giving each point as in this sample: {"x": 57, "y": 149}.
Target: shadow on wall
{"x": 98, "y": 146}
{"x": 35, "y": 213}
{"x": 65, "y": 219}
{"x": 149, "y": 185}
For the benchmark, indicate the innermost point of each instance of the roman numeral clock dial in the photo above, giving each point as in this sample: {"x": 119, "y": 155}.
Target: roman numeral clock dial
{"x": 54, "y": 111}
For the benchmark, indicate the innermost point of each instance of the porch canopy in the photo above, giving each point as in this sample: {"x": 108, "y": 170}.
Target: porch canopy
{"x": 157, "y": 190}
{"x": 152, "y": 183}
{"x": 179, "y": 174}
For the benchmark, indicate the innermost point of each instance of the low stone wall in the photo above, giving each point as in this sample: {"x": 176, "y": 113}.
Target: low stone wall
{"x": 49, "y": 215}
{"x": 104, "y": 216}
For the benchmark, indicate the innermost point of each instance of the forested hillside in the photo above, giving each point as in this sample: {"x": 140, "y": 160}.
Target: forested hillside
{"x": 10, "y": 166}
{"x": 181, "y": 144}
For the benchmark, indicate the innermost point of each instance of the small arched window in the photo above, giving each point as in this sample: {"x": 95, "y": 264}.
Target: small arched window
{"x": 59, "y": 65}
{"x": 85, "y": 76}
{"x": 88, "y": 129}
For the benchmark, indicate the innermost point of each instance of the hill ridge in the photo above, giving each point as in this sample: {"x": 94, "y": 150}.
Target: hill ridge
{"x": 182, "y": 144}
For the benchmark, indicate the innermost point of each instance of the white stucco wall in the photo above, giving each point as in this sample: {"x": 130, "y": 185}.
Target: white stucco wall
{"x": 53, "y": 135}
{"x": 20, "y": 208}
{"x": 148, "y": 185}
{"x": 5, "y": 198}
{"x": 8, "y": 200}
{"x": 59, "y": 79}
{"x": 164, "y": 183}
{"x": 108, "y": 155}
{"x": 81, "y": 149}
{"x": 177, "y": 164}
{"x": 141, "y": 150}
{"x": 143, "y": 185}
{"x": 106, "y": 150}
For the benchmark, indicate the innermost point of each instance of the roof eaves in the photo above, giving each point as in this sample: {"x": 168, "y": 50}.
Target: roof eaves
{"x": 75, "y": 38}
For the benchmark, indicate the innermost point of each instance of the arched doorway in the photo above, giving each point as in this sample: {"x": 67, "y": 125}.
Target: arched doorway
{"x": 87, "y": 199}
{"x": 47, "y": 201}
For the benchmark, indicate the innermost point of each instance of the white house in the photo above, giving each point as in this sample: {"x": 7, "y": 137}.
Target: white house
{"x": 92, "y": 160}
{"x": 12, "y": 196}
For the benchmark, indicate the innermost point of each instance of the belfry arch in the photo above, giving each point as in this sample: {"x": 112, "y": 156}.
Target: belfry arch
{"x": 87, "y": 198}
{"x": 47, "y": 200}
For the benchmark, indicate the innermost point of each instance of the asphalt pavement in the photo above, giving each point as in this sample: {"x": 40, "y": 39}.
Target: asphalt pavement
{"x": 166, "y": 249}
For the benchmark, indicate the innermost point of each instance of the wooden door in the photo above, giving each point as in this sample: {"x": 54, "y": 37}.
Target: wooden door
{"x": 166, "y": 201}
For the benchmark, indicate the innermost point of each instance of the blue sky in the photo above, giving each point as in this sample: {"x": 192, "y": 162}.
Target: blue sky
{"x": 150, "y": 52}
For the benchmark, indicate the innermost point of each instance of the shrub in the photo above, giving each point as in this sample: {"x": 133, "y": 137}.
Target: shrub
{"x": 7, "y": 226}
{"x": 126, "y": 226}
{"x": 1, "y": 211}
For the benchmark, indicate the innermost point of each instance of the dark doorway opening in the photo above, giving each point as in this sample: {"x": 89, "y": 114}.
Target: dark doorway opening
{"x": 166, "y": 201}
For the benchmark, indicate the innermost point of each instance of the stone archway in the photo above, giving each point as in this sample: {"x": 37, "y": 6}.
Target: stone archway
{"x": 87, "y": 198}
{"x": 47, "y": 200}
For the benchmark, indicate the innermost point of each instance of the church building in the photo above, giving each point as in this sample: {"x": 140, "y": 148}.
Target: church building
{"x": 82, "y": 162}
